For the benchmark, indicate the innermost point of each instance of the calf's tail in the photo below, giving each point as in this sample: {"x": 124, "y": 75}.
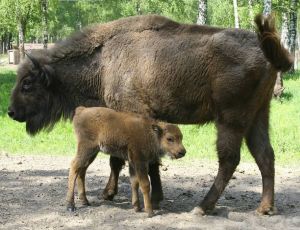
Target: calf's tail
{"x": 269, "y": 39}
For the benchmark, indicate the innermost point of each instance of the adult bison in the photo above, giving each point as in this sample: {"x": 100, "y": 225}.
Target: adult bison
{"x": 178, "y": 73}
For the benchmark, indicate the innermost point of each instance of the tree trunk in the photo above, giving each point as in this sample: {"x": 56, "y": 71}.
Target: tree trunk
{"x": 236, "y": 14}
{"x": 285, "y": 30}
{"x": 21, "y": 27}
{"x": 202, "y": 12}
{"x": 267, "y": 7}
{"x": 251, "y": 15}
{"x": 138, "y": 7}
{"x": 9, "y": 38}
{"x": 1, "y": 45}
{"x": 44, "y": 6}
{"x": 293, "y": 29}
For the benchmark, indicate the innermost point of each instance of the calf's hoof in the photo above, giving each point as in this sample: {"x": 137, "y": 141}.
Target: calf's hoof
{"x": 108, "y": 194}
{"x": 150, "y": 214}
{"x": 198, "y": 211}
{"x": 266, "y": 210}
{"x": 71, "y": 208}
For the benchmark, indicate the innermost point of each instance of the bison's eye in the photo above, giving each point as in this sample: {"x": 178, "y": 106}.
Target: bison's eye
{"x": 170, "y": 139}
{"x": 27, "y": 85}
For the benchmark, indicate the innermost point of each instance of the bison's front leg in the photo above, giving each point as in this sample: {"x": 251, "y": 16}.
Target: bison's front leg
{"x": 228, "y": 147}
{"x": 111, "y": 189}
{"x": 157, "y": 192}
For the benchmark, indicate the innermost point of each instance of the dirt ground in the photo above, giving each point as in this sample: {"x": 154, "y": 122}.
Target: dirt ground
{"x": 33, "y": 190}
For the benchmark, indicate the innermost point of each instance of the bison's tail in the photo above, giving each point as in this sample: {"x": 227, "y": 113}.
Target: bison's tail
{"x": 79, "y": 109}
{"x": 273, "y": 50}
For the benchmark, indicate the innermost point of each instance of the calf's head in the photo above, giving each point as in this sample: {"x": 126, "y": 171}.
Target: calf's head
{"x": 170, "y": 139}
{"x": 31, "y": 98}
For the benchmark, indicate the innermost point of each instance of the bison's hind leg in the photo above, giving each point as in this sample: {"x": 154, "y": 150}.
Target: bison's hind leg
{"x": 258, "y": 142}
{"x": 86, "y": 153}
{"x": 156, "y": 191}
{"x": 111, "y": 189}
{"x": 228, "y": 147}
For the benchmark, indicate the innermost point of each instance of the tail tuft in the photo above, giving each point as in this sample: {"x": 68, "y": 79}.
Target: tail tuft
{"x": 276, "y": 54}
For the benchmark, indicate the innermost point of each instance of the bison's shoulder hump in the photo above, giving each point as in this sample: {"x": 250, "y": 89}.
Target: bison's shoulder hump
{"x": 94, "y": 36}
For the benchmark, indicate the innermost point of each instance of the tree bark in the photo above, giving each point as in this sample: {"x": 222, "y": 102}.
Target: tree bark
{"x": 44, "y": 6}
{"x": 236, "y": 14}
{"x": 251, "y": 15}
{"x": 202, "y": 12}
{"x": 285, "y": 30}
{"x": 138, "y": 7}
{"x": 267, "y": 7}
{"x": 293, "y": 30}
{"x": 21, "y": 27}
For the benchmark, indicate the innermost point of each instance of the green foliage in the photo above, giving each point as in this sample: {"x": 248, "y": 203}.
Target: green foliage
{"x": 199, "y": 140}
{"x": 66, "y": 16}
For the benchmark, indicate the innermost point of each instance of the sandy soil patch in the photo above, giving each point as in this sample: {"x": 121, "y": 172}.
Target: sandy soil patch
{"x": 33, "y": 190}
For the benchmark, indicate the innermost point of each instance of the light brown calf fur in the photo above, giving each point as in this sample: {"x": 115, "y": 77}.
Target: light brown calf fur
{"x": 127, "y": 136}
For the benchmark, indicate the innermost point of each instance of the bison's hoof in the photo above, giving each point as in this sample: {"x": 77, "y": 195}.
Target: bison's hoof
{"x": 266, "y": 210}
{"x": 137, "y": 208}
{"x": 198, "y": 211}
{"x": 85, "y": 203}
{"x": 155, "y": 205}
{"x": 108, "y": 194}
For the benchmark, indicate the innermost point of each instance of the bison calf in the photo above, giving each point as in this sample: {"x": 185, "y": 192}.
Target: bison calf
{"x": 127, "y": 136}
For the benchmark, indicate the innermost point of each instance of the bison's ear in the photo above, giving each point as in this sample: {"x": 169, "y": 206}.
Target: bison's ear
{"x": 47, "y": 73}
{"x": 157, "y": 129}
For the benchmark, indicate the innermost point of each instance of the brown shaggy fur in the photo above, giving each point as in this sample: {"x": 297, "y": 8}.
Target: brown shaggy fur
{"x": 179, "y": 73}
{"x": 128, "y": 136}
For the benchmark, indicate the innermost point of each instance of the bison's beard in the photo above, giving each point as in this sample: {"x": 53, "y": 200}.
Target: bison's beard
{"x": 40, "y": 121}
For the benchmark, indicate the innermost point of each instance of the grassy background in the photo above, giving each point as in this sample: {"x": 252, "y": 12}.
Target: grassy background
{"x": 199, "y": 140}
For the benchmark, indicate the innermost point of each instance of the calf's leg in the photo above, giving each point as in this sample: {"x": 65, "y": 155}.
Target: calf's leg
{"x": 134, "y": 188}
{"x": 142, "y": 174}
{"x": 85, "y": 156}
{"x": 116, "y": 165}
{"x": 228, "y": 146}
{"x": 258, "y": 142}
{"x": 81, "y": 181}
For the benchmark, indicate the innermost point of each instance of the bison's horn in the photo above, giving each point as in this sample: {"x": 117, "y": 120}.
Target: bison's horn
{"x": 33, "y": 60}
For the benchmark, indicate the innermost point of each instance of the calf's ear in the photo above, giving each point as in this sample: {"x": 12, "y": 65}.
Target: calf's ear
{"x": 157, "y": 129}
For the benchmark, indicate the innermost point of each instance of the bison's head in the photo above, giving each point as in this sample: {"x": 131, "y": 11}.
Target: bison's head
{"x": 31, "y": 97}
{"x": 170, "y": 138}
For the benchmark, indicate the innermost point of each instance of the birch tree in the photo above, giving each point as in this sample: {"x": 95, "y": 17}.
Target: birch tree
{"x": 236, "y": 14}
{"x": 44, "y": 9}
{"x": 202, "y": 12}
{"x": 267, "y": 7}
{"x": 293, "y": 29}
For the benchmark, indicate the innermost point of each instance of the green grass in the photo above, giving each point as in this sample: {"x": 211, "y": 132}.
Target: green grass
{"x": 199, "y": 140}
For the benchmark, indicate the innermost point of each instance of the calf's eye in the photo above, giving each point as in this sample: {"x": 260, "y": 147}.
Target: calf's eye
{"x": 169, "y": 139}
